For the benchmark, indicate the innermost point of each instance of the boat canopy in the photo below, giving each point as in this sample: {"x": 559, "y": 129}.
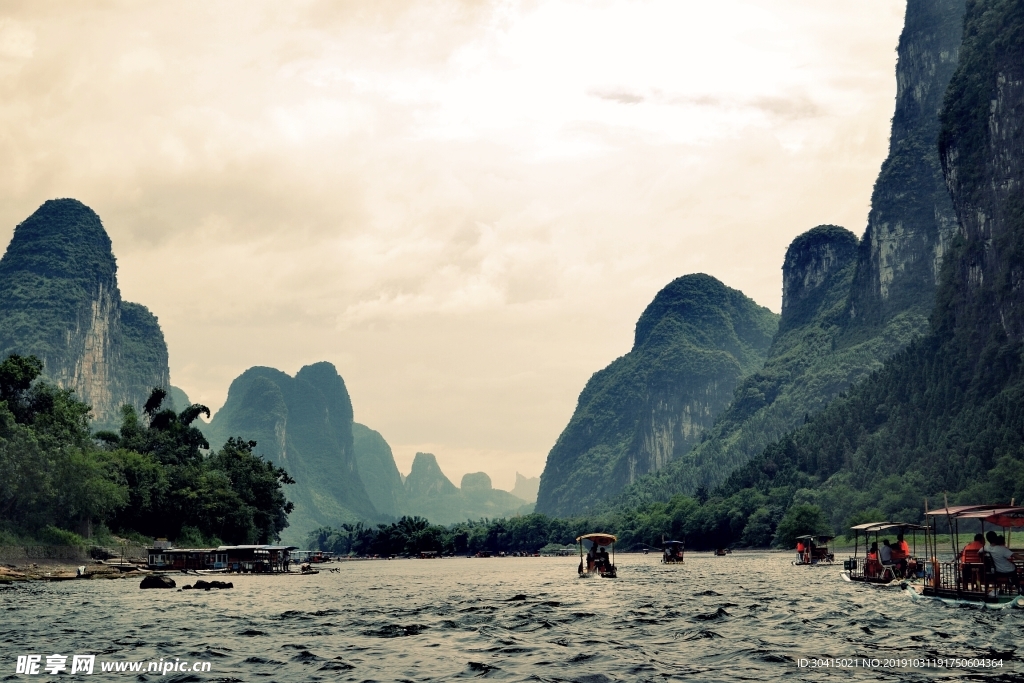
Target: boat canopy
{"x": 820, "y": 538}
{"x": 672, "y": 543}
{"x": 885, "y": 526}
{"x": 597, "y": 539}
{"x": 959, "y": 510}
{"x": 1001, "y": 516}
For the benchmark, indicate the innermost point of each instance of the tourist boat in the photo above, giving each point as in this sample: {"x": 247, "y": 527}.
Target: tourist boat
{"x": 722, "y": 552}
{"x": 863, "y": 570}
{"x": 673, "y": 552}
{"x": 596, "y": 561}
{"x": 969, "y": 583}
{"x": 816, "y": 550}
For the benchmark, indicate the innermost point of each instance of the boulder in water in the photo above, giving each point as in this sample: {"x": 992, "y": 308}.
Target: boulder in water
{"x": 154, "y": 581}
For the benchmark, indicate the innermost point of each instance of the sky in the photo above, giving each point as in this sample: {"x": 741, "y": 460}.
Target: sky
{"x": 465, "y": 206}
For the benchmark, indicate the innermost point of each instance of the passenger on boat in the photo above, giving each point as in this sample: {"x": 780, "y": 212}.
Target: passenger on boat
{"x": 873, "y": 567}
{"x": 970, "y": 560}
{"x": 591, "y": 558}
{"x": 885, "y": 554}
{"x": 602, "y": 560}
{"x": 990, "y": 539}
{"x": 799, "y": 551}
{"x": 1002, "y": 558}
{"x": 900, "y": 553}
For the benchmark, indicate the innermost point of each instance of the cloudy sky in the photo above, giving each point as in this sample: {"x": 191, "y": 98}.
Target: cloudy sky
{"x": 465, "y": 206}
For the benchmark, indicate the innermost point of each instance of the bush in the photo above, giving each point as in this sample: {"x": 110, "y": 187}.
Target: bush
{"x": 51, "y": 535}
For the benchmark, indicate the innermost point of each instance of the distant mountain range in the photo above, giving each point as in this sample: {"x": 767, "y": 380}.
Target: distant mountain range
{"x": 344, "y": 472}
{"x": 59, "y": 300}
{"x": 895, "y": 367}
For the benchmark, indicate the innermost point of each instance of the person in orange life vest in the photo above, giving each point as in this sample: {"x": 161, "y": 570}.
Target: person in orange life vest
{"x": 900, "y": 555}
{"x": 872, "y": 567}
{"x": 799, "y": 551}
{"x": 971, "y": 565}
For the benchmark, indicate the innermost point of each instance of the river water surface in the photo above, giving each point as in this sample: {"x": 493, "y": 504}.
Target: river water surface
{"x": 741, "y": 617}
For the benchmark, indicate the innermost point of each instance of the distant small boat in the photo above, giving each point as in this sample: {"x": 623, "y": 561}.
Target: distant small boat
{"x": 597, "y": 562}
{"x": 674, "y": 551}
{"x": 815, "y": 550}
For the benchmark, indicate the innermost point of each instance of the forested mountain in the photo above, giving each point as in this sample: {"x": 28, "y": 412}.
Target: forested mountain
{"x": 378, "y": 471}
{"x": 303, "y": 424}
{"x": 846, "y": 311}
{"x": 946, "y": 415}
{"x": 60, "y": 302}
{"x": 693, "y": 344}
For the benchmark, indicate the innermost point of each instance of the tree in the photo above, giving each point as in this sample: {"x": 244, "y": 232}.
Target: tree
{"x": 799, "y": 520}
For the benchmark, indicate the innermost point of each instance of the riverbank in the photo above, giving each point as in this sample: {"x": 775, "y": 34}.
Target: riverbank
{"x": 59, "y": 570}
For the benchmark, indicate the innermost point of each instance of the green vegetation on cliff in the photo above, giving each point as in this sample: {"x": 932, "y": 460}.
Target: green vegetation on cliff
{"x": 150, "y": 477}
{"x": 57, "y": 260}
{"x": 377, "y": 469}
{"x": 847, "y": 307}
{"x": 693, "y": 344}
{"x": 808, "y": 365}
{"x": 303, "y": 424}
{"x": 946, "y": 415}
{"x": 59, "y": 301}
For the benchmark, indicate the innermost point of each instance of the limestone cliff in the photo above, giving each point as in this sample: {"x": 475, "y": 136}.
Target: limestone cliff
{"x": 526, "y": 488}
{"x": 845, "y": 313}
{"x": 378, "y": 471}
{"x": 911, "y": 221}
{"x": 943, "y": 419}
{"x": 430, "y": 494}
{"x": 427, "y": 479}
{"x": 59, "y": 300}
{"x": 304, "y": 424}
{"x": 693, "y": 344}
{"x": 982, "y": 148}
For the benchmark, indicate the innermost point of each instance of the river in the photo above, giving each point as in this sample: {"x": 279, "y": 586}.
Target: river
{"x": 747, "y": 616}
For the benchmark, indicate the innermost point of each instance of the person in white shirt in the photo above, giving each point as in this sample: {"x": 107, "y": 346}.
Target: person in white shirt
{"x": 1003, "y": 557}
{"x": 885, "y": 554}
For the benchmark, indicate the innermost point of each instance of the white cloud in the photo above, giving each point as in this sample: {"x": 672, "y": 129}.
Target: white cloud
{"x": 465, "y": 206}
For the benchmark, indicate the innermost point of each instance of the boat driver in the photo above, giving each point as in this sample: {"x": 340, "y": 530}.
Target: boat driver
{"x": 899, "y": 554}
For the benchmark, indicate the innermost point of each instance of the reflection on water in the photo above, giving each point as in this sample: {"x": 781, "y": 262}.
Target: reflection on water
{"x": 741, "y": 617}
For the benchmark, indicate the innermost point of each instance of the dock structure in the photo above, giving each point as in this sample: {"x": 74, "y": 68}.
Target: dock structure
{"x": 256, "y": 559}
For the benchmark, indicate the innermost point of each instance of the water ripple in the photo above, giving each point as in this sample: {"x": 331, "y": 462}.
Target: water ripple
{"x": 743, "y": 617}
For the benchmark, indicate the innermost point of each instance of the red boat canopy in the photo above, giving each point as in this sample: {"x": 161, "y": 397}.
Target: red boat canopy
{"x": 1003, "y": 516}
{"x": 597, "y": 539}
